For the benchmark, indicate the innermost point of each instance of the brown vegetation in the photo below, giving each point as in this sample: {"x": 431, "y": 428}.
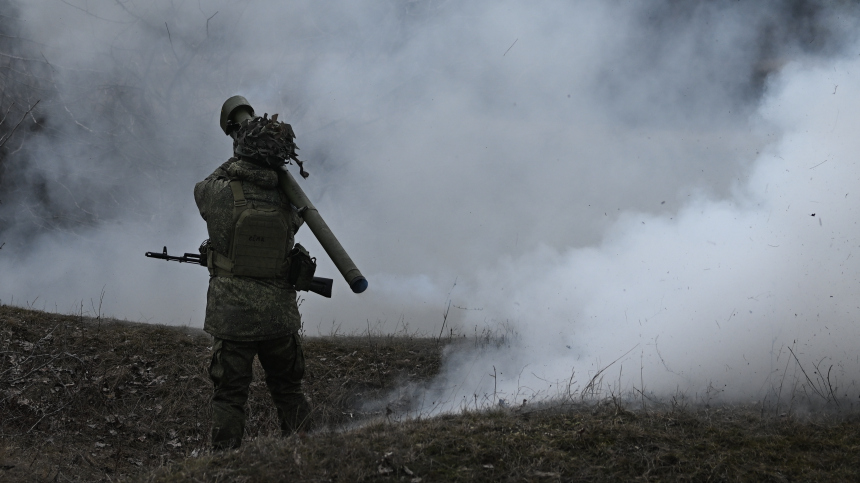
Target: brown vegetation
{"x": 86, "y": 399}
{"x": 598, "y": 443}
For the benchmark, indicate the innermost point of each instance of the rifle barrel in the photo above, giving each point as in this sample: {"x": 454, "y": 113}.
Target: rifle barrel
{"x": 186, "y": 258}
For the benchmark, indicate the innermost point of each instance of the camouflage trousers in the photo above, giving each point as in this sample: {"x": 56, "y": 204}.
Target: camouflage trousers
{"x": 231, "y": 372}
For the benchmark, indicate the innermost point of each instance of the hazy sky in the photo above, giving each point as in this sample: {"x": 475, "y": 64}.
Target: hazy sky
{"x": 596, "y": 176}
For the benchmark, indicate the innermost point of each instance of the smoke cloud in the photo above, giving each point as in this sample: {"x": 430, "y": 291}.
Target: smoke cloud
{"x": 599, "y": 178}
{"x": 715, "y": 300}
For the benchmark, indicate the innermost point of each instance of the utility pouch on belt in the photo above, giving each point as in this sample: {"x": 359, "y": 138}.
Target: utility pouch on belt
{"x": 302, "y": 268}
{"x": 259, "y": 244}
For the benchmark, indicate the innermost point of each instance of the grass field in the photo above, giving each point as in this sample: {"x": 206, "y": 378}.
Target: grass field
{"x": 86, "y": 399}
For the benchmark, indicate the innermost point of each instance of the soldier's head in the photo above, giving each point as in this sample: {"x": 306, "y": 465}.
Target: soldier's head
{"x": 261, "y": 140}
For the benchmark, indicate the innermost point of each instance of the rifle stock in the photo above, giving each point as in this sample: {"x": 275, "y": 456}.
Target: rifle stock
{"x": 321, "y": 286}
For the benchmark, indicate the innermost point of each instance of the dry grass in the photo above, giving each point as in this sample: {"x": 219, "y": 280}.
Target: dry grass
{"x": 93, "y": 400}
{"x": 86, "y": 399}
{"x": 596, "y": 443}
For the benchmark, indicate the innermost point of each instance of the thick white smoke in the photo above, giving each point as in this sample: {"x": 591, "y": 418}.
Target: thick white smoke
{"x": 707, "y": 301}
{"x": 599, "y": 175}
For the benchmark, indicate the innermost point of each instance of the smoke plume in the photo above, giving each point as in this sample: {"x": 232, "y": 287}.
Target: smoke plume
{"x": 593, "y": 179}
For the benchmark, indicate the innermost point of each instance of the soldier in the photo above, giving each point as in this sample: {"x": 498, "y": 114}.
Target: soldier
{"x": 251, "y": 308}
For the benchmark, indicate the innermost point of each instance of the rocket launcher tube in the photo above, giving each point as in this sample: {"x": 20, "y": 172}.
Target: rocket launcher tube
{"x": 320, "y": 229}
{"x": 238, "y": 109}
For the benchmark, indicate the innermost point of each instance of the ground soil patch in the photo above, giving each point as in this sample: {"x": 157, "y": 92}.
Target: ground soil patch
{"x": 84, "y": 399}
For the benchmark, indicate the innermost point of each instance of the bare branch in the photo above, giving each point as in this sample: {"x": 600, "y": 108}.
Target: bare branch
{"x": 46, "y": 61}
{"x": 207, "y": 23}
{"x": 3, "y": 142}
{"x": 7, "y": 113}
{"x": 74, "y": 119}
{"x": 171, "y": 42}
{"x": 511, "y": 47}
{"x": 17, "y": 57}
{"x": 812, "y": 385}
{"x": 86, "y": 11}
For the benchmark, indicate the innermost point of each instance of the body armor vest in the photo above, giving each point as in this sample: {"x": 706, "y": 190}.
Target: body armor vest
{"x": 258, "y": 247}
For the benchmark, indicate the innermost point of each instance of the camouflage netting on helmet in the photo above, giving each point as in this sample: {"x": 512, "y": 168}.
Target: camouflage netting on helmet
{"x": 267, "y": 140}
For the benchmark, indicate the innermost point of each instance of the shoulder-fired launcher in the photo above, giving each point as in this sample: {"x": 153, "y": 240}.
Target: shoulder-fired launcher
{"x": 237, "y": 109}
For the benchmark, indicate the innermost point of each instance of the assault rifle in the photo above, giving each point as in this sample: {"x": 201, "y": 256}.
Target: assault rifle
{"x": 319, "y": 285}
{"x": 185, "y": 258}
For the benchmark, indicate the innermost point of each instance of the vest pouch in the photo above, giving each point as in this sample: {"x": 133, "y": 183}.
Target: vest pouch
{"x": 302, "y": 268}
{"x": 260, "y": 243}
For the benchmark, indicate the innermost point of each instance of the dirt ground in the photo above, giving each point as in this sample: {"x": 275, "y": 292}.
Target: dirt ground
{"x": 85, "y": 399}
{"x": 93, "y": 400}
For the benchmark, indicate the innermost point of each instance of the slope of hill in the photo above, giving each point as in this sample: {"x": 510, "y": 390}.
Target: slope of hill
{"x": 101, "y": 400}
{"x": 598, "y": 443}
{"x": 86, "y": 399}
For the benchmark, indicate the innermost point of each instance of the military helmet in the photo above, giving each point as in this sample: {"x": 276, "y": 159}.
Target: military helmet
{"x": 232, "y": 108}
{"x": 261, "y": 139}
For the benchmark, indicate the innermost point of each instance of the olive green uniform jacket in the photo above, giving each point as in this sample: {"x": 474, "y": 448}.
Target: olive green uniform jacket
{"x": 244, "y": 308}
